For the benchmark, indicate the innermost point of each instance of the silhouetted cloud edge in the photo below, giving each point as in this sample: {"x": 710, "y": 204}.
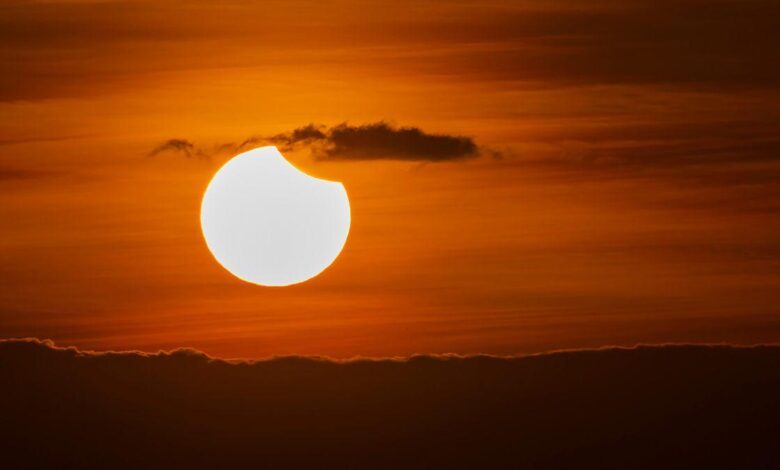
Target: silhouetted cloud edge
{"x": 192, "y": 353}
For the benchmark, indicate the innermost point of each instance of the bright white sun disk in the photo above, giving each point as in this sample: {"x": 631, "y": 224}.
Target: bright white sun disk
{"x": 269, "y": 223}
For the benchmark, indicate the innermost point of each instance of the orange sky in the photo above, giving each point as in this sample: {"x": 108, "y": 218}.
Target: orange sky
{"x": 635, "y": 199}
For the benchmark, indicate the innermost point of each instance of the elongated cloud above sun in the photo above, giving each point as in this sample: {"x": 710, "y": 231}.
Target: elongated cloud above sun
{"x": 379, "y": 141}
{"x": 372, "y": 141}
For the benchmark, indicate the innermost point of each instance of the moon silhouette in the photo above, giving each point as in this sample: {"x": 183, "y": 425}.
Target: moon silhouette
{"x": 269, "y": 223}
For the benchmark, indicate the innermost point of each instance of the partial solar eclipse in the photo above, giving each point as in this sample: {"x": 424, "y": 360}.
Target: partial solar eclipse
{"x": 271, "y": 224}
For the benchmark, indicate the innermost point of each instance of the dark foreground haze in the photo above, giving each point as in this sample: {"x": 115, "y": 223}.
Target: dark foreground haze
{"x": 647, "y": 407}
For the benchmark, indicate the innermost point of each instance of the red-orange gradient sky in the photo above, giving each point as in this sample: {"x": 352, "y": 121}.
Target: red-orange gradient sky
{"x": 624, "y": 186}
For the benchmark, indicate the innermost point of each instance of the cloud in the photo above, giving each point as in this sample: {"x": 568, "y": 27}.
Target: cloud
{"x": 180, "y": 146}
{"x": 645, "y": 407}
{"x": 378, "y": 141}
{"x": 33, "y": 140}
{"x": 306, "y": 134}
{"x": 382, "y": 141}
{"x": 13, "y": 174}
{"x": 372, "y": 141}
{"x": 16, "y": 174}
{"x": 685, "y": 43}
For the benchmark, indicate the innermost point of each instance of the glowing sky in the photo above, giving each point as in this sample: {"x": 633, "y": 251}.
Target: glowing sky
{"x": 622, "y": 187}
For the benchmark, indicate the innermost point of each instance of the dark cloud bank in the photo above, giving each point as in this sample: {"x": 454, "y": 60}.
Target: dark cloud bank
{"x": 373, "y": 141}
{"x": 647, "y": 407}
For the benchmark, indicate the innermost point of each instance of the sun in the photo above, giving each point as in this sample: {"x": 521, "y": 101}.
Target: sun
{"x": 268, "y": 223}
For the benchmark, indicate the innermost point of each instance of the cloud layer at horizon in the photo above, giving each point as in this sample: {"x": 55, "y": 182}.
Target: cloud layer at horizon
{"x": 644, "y": 407}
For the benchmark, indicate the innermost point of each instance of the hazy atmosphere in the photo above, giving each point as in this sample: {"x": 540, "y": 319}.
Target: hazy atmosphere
{"x": 523, "y": 176}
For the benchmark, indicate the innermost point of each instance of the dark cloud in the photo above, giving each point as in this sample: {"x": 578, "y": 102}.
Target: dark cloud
{"x": 306, "y": 134}
{"x": 378, "y": 141}
{"x": 373, "y": 141}
{"x": 382, "y": 141}
{"x": 180, "y": 146}
{"x": 310, "y": 134}
{"x": 645, "y": 407}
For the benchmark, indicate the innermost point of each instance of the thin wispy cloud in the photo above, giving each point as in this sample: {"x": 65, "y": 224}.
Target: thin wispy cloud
{"x": 178, "y": 146}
